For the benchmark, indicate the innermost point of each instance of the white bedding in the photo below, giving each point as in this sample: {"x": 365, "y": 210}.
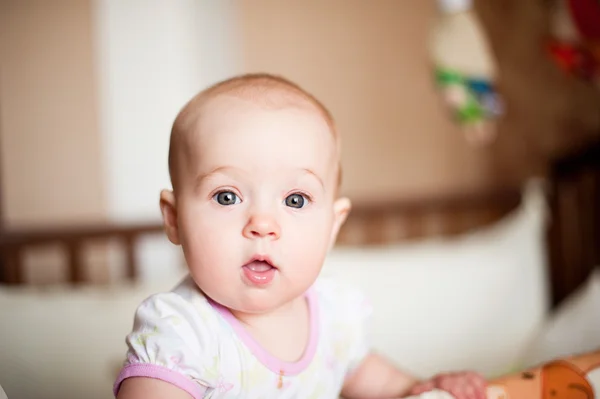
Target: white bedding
{"x": 573, "y": 328}
{"x": 472, "y": 302}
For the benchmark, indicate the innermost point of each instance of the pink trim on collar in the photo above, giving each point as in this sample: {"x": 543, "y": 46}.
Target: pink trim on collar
{"x": 277, "y": 365}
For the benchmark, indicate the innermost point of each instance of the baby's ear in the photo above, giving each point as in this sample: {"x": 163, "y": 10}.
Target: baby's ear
{"x": 341, "y": 209}
{"x": 168, "y": 209}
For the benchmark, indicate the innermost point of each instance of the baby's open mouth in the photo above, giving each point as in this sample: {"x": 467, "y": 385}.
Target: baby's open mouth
{"x": 259, "y": 271}
{"x": 259, "y": 266}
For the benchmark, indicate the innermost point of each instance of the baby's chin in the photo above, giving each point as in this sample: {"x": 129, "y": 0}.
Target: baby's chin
{"x": 241, "y": 295}
{"x": 250, "y": 301}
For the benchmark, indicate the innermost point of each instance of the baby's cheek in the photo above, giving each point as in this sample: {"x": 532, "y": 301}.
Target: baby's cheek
{"x": 211, "y": 243}
{"x": 307, "y": 242}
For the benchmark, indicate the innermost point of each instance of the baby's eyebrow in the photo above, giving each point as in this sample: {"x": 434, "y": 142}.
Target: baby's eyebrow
{"x": 229, "y": 170}
{"x": 311, "y": 172}
{"x": 219, "y": 169}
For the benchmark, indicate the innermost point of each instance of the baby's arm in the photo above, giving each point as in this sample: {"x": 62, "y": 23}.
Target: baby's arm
{"x": 377, "y": 378}
{"x": 150, "y": 388}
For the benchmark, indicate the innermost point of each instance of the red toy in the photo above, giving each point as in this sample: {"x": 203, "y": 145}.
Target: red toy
{"x": 575, "y": 47}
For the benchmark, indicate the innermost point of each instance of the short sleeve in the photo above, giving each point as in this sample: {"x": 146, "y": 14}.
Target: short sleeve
{"x": 172, "y": 341}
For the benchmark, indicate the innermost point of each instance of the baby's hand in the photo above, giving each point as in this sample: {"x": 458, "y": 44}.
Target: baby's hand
{"x": 462, "y": 385}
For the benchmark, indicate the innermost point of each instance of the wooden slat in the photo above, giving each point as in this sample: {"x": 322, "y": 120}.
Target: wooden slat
{"x": 43, "y": 235}
{"x": 574, "y": 234}
{"x": 12, "y": 270}
{"x": 73, "y": 238}
{"x": 493, "y": 198}
{"x": 596, "y": 217}
{"x": 410, "y": 219}
{"x": 76, "y": 268}
{"x": 131, "y": 261}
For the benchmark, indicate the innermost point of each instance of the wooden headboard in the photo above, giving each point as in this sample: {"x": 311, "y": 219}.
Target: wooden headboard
{"x": 409, "y": 220}
{"x": 573, "y": 235}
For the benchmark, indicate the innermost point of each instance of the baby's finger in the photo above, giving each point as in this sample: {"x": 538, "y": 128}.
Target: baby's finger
{"x": 476, "y": 391}
{"x": 422, "y": 388}
{"x": 480, "y": 392}
{"x": 467, "y": 392}
{"x": 479, "y": 379}
{"x": 479, "y": 384}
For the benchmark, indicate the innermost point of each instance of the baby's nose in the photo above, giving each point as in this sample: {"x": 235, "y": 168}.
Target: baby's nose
{"x": 261, "y": 226}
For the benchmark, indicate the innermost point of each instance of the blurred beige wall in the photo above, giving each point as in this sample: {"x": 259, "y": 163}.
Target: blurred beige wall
{"x": 50, "y": 143}
{"x": 368, "y": 62}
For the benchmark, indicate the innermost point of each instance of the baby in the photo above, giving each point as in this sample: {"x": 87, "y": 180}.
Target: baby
{"x": 255, "y": 168}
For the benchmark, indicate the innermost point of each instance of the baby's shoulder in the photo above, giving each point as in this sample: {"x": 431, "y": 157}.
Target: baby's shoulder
{"x": 184, "y": 294}
{"x": 184, "y": 305}
{"x": 175, "y": 337}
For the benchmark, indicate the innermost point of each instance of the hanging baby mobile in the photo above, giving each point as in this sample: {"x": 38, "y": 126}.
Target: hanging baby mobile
{"x": 575, "y": 42}
{"x": 465, "y": 71}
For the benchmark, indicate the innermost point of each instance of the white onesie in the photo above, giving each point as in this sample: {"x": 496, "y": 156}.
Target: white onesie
{"x": 184, "y": 338}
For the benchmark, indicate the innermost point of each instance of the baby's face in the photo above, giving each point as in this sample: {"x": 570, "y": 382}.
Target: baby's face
{"x": 255, "y": 205}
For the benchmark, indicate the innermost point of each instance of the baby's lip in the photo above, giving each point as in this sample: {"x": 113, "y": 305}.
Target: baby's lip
{"x": 261, "y": 258}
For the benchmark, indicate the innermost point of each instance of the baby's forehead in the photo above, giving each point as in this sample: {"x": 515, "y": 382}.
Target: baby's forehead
{"x": 227, "y": 108}
{"x": 262, "y": 92}
{"x": 227, "y": 120}
{"x": 224, "y": 113}
{"x": 236, "y": 104}
{"x": 241, "y": 98}
{"x": 291, "y": 137}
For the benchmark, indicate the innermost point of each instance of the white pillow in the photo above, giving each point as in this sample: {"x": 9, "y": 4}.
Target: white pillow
{"x": 471, "y": 302}
{"x": 63, "y": 342}
{"x": 573, "y": 328}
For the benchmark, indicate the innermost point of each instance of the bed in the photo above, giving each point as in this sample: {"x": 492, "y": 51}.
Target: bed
{"x": 482, "y": 280}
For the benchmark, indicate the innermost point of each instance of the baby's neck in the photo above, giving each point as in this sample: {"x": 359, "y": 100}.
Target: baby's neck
{"x": 287, "y": 310}
{"x": 283, "y": 332}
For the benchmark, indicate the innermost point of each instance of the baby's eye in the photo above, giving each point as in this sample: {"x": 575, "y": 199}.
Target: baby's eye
{"x": 226, "y": 198}
{"x": 295, "y": 201}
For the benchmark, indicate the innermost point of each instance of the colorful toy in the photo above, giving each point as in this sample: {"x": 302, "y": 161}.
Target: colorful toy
{"x": 575, "y": 377}
{"x": 473, "y": 99}
{"x": 465, "y": 71}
